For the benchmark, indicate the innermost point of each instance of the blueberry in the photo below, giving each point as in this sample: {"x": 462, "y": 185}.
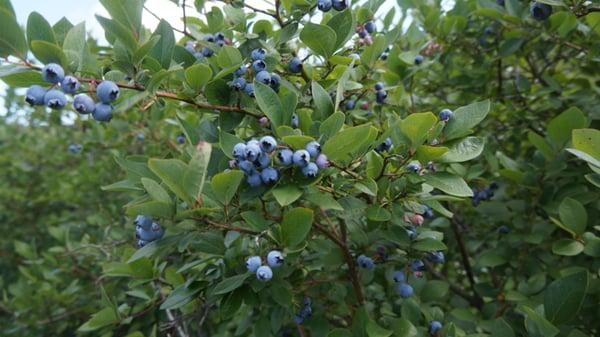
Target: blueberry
{"x": 241, "y": 71}
{"x": 488, "y": 31}
{"x": 209, "y": 38}
{"x": 384, "y": 56}
{"x": 350, "y": 104}
{"x": 180, "y": 139}
{"x": 269, "y": 176}
{"x": 298, "y": 319}
{"x": 35, "y": 95}
{"x": 263, "y": 77}
{"x": 418, "y": 59}
{"x": 541, "y": 11}
{"x": 198, "y": 55}
{"x": 482, "y": 195}
{"x": 405, "y": 290}
{"x": 504, "y": 229}
{"x": 249, "y": 89}
{"x": 411, "y": 231}
{"x": 143, "y": 221}
{"x": 84, "y": 104}
{"x": 259, "y": 65}
{"x": 313, "y": 148}
{"x": 252, "y": 151}
{"x": 436, "y": 257}
{"x": 70, "y": 84}
{"x": 434, "y": 327}
{"x": 339, "y": 5}
{"x": 500, "y": 3}
{"x": 310, "y": 170}
{"x": 264, "y": 273}
{"x": 435, "y": 142}
{"x": 494, "y": 185}
{"x": 140, "y": 136}
{"x": 414, "y": 166}
{"x": 107, "y": 91}
{"x": 386, "y": 145}
{"x": 378, "y": 86}
{"x": 301, "y": 158}
{"x": 252, "y": 263}
{"x": 370, "y": 27}
{"x": 445, "y": 115}
{"x": 219, "y": 36}
{"x": 295, "y": 120}
{"x": 75, "y": 148}
{"x": 268, "y": 144}
{"x": 146, "y": 235}
{"x": 285, "y": 157}
{"x": 399, "y": 277}
{"x": 364, "y": 105}
{"x": 247, "y": 167}
{"x": 324, "y": 5}
{"x": 239, "y": 151}
{"x": 365, "y": 262}
{"x": 190, "y": 46}
{"x": 428, "y": 213}
{"x": 207, "y": 52}
{"x": 238, "y": 83}
{"x": 263, "y": 161}
{"x": 258, "y": 54}
{"x": 253, "y": 142}
{"x": 417, "y": 265}
{"x": 53, "y": 73}
{"x": 322, "y": 161}
{"x": 380, "y": 96}
{"x": 55, "y": 99}
{"x": 275, "y": 259}
{"x": 254, "y": 179}
{"x": 102, "y": 112}
{"x": 295, "y": 65}
{"x": 275, "y": 81}
{"x": 141, "y": 243}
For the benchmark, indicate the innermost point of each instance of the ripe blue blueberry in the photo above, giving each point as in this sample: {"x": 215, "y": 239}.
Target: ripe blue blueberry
{"x": 253, "y": 142}
{"x": 239, "y": 151}
{"x": 285, "y": 157}
{"x": 370, "y": 27}
{"x": 504, "y": 229}
{"x": 143, "y": 221}
{"x": 146, "y": 235}
{"x": 263, "y": 161}
{"x": 414, "y": 166}
{"x": 500, "y": 3}
{"x": 141, "y": 243}
{"x": 339, "y": 5}
{"x": 436, "y": 257}
{"x": 419, "y": 59}
{"x": 209, "y": 38}
{"x": 295, "y": 65}
{"x": 313, "y": 148}
{"x": 268, "y": 144}
{"x": 140, "y": 136}
{"x": 35, "y": 95}
{"x": 488, "y": 31}
{"x": 258, "y": 54}
{"x": 434, "y": 327}
{"x": 350, "y": 104}
{"x": 180, "y": 139}
{"x": 324, "y": 5}
{"x": 69, "y": 84}
{"x": 53, "y": 73}
{"x": 238, "y": 83}
{"x": 198, "y": 55}
{"x": 399, "y": 277}
{"x": 378, "y": 86}
{"x": 386, "y": 145}
{"x": 249, "y": 89}
{"x": 541, "y": 11}
{"x": 301, "y": 158}
{"x": 107, "y": 92}
{"x": 247, "y": 167}
{"x": 322, "y": 161}
{"x": 380, "y": 96}
{"x": 411, "y": 231}
{"x": 75, "y": 148}
{"x": 219, "y": 36}
{"x": 241, "y": 71}
{"x": 259, "y": 65}
{"x": 310, "y": 170}
{"x": 445, "y": 115}
{"x": 384, "y": 56}
{"x": 190, "y": 46}
{"x": 263, "y": 77}
{"x": 253, "y": 263}
{"x": 365, "y": 262}
{"x": 295, "y": 121}
{"x": 207, "y": 52}
{"x": 84, "y": 104}
{"x": 275, "y": 259}
{"x": 102, "y": 112}
{"x": 275, "y": 81}
{"x": 269, "y": 176}
{"x": 405, "y": 290}
{"x": 254, "y": 179}
{"x": 417, "y": 265}
{"x": 264, "y": 273}
{"x": 428, "y": 213}
{"x": 252, "y": 151}
{"x": 55, "y": 99}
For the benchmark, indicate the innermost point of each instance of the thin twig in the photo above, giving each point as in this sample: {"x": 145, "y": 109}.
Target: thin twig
{"x": 184, "y": 32}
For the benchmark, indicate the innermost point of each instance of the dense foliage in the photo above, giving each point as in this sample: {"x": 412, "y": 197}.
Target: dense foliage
{"x": 318, "y": 168}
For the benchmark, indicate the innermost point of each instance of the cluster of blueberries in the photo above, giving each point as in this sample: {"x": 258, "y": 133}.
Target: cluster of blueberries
{"x": 485, "y": 194}
{"x": 146, "y": 230}
{"x": 261, "y": 74}
{"x": 364, "y": 32}
{"x": 380, "y": 94}
{"x": 264, "y": 273}
{"x": 106, "y": 91}
{"x": 254, "y": 159}
{"x": 218, "y": 38}
{"x": 304, "y": 312}
{"x": 326, "y": 5}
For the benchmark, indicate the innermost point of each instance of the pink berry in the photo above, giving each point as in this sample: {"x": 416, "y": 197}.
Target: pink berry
{"x": 322, "y": 161}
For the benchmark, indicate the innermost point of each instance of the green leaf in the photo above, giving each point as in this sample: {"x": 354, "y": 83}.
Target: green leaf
{"x": 197, "y": 76}
{"x": 116, "y": 30}
{"x": 402, "y": 327}
{"x": 195, "y": 175}
{"x": 144, "y": 49}
{"x": 227, "y": 141}
{"x": 537, "y": 325}
{"x": 449, "y": 183}
{"x": 48, "y": 53}
{"x": 417, "y": 126}
{"x": 429, "y": 245}
{"x": 286, "y": 194}
{"x": 155, "y": 190}
{"x": 374, "y": 164}
{"x": 561, "y": 126}
{"x": 332, "y": 125}
{"x": 465, "y": 118}
{"x": 541, "y": 144}
{"x": 179, "y": 297}
{"x": 230, "y": 284}
{"x": 463, "y": 150}
{"x": 573, "y": 215}
{"x": 372, "y": 53}
{"x": 217, "y": 92}
{"x": 39, "y": 29}
{"x": 343, "y": 25}
{"x": 324, "y": 201}
{"x": 229, "y": 56}
{"x": 269, "y": 103}
{"x": 126, "y": 12}
{"x": 323, "y": 103}
{"x": 102, "y": 318}
{"x": 163, "y": 49}
{"x": 563, "y": 297}
{"x": 346, "y": 141}
{"x": 374, "y": 330}
{"x": 582, "y": 155}
{"x": 567, "y": 247}
{"x": 13, "y": 40}
{"x": 296, "y": 225}
{"x": 297, "y": 142}
{"x": 157, "y": 209}
{"x": 225, "y": 185}
{"x": 20, "y": 76}
{"x": 502, "y": 329}
{"x": 588, "y": 141}
{"x": 171, "y": 172}
{"x": 320, "y": 38}
{"x": 378, "y": 213}
{"x": 77, "y": 51}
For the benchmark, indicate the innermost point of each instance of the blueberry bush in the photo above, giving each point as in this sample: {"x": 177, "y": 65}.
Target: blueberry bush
{"x": 316, "y": 168}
